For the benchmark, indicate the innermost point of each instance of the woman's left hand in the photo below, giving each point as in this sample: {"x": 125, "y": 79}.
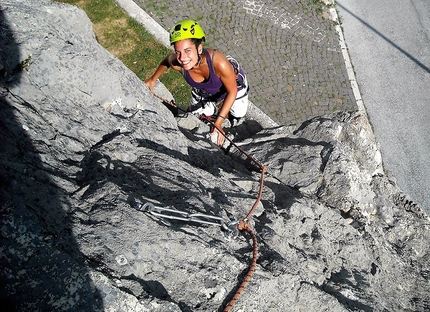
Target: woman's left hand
{"x": 217, "y": 135}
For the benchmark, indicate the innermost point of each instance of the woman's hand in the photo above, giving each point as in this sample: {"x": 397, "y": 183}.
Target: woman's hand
{"x": 150, "y": 83}
{"x": 217, "y": 135}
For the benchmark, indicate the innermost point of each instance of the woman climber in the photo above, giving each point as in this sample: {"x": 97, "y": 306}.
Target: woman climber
{"x": 214, "y": 77}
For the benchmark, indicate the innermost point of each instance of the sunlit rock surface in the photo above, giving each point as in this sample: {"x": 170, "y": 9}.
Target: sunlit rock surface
{"x": 84, "y": 141}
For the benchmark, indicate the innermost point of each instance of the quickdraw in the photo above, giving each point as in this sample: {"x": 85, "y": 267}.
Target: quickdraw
{"x": 229, "y": 227}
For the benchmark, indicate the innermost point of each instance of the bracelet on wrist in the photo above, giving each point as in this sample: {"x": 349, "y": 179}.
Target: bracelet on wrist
{"x": 221, "y": 116}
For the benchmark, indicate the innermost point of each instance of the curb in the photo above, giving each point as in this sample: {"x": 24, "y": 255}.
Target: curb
{"x": 347, "y": 59}
{"x": 136, "y": 12}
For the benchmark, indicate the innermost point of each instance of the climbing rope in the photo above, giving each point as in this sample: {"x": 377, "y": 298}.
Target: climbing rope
{"x": 171, "y": 103}
{"x": 242, "y": 225}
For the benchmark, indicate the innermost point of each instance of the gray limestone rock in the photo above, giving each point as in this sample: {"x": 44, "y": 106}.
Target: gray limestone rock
{"x": 84, "y": 144}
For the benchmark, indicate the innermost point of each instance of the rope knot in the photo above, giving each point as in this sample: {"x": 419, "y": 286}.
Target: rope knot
{"x": 243, "y": 225}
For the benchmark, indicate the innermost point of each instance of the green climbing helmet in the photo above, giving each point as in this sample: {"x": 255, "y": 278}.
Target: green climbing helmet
{"x": 186, "y": 29}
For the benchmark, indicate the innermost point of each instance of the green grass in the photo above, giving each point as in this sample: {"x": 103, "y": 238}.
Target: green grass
{"x": 131, "y": 43}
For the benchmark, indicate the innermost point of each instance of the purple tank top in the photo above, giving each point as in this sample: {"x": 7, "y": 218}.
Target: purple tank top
{"x": 213, "y": 87}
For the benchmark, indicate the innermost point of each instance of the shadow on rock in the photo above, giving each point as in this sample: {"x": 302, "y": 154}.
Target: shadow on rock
{"x": 11, "y": 65}
{"x": 42, "y": 268}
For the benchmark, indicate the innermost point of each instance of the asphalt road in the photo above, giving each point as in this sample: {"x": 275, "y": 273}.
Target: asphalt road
{"x": 389, "y": 46}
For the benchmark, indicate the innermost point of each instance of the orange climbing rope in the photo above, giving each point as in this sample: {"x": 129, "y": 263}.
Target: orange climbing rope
{"x": 243, "y": 225}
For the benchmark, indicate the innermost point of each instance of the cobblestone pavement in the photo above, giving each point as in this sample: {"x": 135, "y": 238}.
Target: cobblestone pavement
{"x": 289, "y": 49}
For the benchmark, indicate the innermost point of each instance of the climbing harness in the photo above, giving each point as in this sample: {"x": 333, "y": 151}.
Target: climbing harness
{"x": 230, "y": 227}
{"x": 240, "y": 75}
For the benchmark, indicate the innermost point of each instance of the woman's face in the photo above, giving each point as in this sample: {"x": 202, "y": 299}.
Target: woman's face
{"x": 186, "y": 53}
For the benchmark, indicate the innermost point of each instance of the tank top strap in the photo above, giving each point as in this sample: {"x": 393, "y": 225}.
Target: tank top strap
{"x": 209, "y": 60}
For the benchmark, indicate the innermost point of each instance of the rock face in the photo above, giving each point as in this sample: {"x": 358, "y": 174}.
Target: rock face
{"x": 84, "y": 141}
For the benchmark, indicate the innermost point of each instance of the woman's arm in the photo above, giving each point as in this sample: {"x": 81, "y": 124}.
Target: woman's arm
{"x": 225, "y": 72}
{"x": 169, "y": 61}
